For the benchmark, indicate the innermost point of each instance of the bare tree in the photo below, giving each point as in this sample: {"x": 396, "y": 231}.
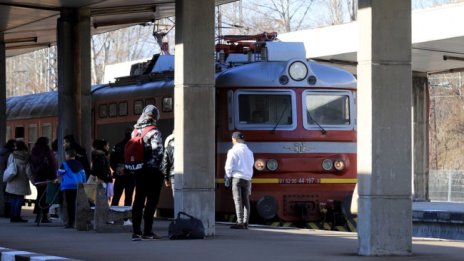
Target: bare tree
{"x": 128, "y": 44}
{"x": 352, "y": 6}
{"x": 277, "y": 15}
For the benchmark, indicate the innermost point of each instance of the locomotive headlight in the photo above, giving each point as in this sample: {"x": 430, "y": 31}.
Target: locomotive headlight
{"x": 327, "y": 164}
{"x": 260, "y": 164}
{"x": 339, "y": 164}
{"x": 298, "y": 71}
{"x": 272, "y": 165}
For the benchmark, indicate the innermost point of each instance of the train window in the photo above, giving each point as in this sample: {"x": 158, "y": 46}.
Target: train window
{"x": 47, "y": 130}
{"x": 113, "y": 110}
{"x": 19, "y": 132}
{"x": 103, "y": 111}
{"x": 327, "y": 109}
{"x": 138, "y": 107}
{"x": 150, "y": 101}
{"x": 8, "y": 133}
{"x": 264, "y": 110}
{"x": 32, "y": 134}
{"x": 167, "y": 104}
{"x": 122, "y": 109}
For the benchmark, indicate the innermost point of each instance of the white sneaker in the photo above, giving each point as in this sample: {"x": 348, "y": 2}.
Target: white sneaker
{"x": 127, "y": 223}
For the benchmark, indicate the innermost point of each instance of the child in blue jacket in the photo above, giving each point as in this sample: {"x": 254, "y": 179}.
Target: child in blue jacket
{"x": 72, "y": 173}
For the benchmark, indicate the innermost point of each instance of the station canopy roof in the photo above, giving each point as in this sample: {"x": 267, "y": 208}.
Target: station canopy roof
{"x": 437, "y": 41}
{"x": 29, "y": 25}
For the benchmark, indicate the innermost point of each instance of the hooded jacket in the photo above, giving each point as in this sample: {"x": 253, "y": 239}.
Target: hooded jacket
{"x": 19, "y": 185}
{"x": 152, "y": 141}
{"x": 73, "y": 173}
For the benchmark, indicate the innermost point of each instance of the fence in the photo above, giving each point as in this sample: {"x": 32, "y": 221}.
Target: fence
{"x": 446, "y": 185}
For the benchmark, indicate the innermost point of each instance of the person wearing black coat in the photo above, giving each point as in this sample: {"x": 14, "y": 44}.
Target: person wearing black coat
{"x": 43, "y": 167}
{"x": 101, "y": 164}
{"x": 167, "y": 165}
{"x": 122, "y": 181}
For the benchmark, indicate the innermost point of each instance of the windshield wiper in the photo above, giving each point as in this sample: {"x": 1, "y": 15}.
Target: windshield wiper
{"x": 280, "y": 118}
{"x": 323, "y": 131}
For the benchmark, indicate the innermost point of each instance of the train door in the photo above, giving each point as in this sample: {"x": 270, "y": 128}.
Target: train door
{"x": 47, "y": 131}
{"x": 19, "y": 132}
{"x": 8, "y": 133}
{"x": 32, "y": 135}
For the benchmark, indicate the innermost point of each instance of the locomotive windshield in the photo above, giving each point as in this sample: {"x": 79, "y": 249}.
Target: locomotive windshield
{"x": 327, "y": 109}
{"x": 265, "y": 110}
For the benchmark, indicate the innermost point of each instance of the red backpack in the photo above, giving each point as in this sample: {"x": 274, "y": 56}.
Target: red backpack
{"x": 134, "y": 151}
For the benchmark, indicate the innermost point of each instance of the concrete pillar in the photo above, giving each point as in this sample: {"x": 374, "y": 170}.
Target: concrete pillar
{"x": 384, "y": 128}
{"x": 420, "y": 138}
{"x": 2, "y": 91}
{"x": 74, "y": 100}
{"x": 2, "y": 117}
{"x": 194, "y": 111}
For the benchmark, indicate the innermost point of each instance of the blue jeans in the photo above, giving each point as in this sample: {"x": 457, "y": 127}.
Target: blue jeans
{"x": 241, "y": 190}
{"x": 16, "y": 203}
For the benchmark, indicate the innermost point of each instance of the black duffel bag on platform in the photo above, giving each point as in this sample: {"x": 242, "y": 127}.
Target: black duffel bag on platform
{"x": 186, "y": 228}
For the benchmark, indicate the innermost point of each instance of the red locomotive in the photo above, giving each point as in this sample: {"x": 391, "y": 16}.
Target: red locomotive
{"x": 298, "y": 117}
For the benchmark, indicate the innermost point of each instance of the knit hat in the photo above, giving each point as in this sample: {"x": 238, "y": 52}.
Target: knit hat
{"x": 152, "y": 111}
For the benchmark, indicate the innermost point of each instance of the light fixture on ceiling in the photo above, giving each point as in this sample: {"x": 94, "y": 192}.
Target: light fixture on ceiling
{"x": 21, "y": 40}
{"x": 141, "y": 20}
{"x": 456, "y": 58}
{"x": 122, "y": 10}
{"x": 28, "y": 46}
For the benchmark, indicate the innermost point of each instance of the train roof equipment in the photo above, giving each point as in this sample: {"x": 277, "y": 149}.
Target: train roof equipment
{"x": 249, "y": 60}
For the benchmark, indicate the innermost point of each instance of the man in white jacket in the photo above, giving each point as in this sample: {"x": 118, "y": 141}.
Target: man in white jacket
{"x": 239, "y": 168}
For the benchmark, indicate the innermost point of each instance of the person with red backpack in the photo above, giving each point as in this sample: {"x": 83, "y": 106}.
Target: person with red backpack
{"x": 143, "y": 154}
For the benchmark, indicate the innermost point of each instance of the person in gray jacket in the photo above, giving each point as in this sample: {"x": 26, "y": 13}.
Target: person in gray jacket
{"x": 18, "y": 187}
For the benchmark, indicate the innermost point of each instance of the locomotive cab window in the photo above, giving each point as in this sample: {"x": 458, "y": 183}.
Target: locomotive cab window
{"x": 328, "y": 109}
{"x": 264, "y": 110}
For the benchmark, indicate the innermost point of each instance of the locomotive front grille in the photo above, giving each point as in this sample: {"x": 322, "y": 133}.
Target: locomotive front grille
{"x": 305, "y": 207}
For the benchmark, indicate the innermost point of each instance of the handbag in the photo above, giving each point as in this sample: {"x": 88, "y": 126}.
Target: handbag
{"x": 186, "y": 228}
{"x": 91, "y": 188}
{"x": 10, "y": 172}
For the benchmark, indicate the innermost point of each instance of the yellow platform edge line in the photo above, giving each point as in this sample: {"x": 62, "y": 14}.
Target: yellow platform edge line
{"x": 276, "y": 181}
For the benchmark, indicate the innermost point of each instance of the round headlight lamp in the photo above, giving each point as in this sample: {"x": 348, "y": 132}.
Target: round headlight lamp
{"x": 272, "y": 165}
{"x": 298, "y": 71}
{"x": 327, "y": 164}
{"x": 339, "y": 164}
{"x": 260, "y": 164}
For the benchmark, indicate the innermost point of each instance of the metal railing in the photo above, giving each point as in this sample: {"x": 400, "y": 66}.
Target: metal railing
{"x": 446, "y": 185}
